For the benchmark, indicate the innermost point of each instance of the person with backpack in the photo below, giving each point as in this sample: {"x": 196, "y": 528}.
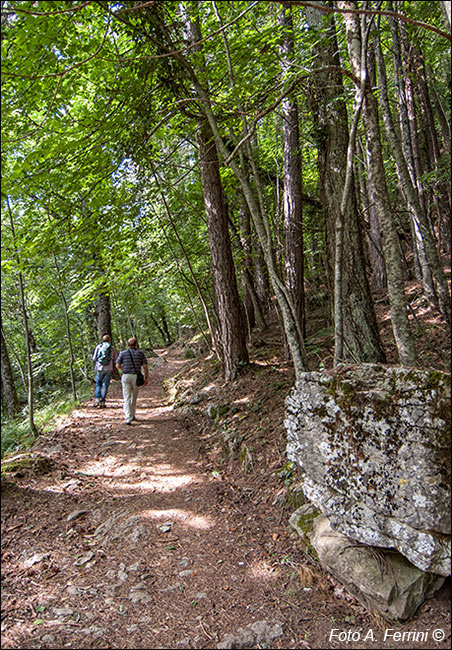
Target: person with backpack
{"x": 130, "y": 362}
{"x": 104, "y": 356}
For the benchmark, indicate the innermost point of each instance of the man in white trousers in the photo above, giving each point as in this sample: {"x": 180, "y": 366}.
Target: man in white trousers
{"x": 130, "y": 362}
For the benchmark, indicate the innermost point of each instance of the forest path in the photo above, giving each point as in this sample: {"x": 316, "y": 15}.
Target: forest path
{"x": 133, "y": 541}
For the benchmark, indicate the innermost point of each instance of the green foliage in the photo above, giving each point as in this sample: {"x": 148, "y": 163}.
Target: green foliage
{"x": 16, "y": 434}
{"x": 100, "y": 162}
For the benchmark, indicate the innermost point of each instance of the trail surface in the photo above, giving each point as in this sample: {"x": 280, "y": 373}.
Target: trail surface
{"x": 132, "y": 541}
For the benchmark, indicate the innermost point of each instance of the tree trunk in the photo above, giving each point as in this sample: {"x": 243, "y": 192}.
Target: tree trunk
{"x": 293, "y": 189}
{"x": 440, "y": 190}
{"x": 8, "y": 385}
{"x": 375, "y": 249}
{"x": 253, "y": 306}
{"x": 360, "y": 331}
{"x": 231, "y": 326}
{"x": 434, "y": 281}
{"x": 291, "y": 324}
{"x": 68, "y": 328}
{"x": 233, "y": 340}
{"x": 399, "y": 315}
{"x": 103, "y": 315}
{"x": 165, "y": 327}
{"x": 247, "y": 284}
{"x": 26, "y": 328}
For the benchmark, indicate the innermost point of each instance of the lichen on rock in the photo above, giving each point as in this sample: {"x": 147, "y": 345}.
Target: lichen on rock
{"x": 373, "y": 445}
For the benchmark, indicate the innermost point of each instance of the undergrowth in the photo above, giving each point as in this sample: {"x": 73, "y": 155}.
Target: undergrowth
{"x": 16, "y": 433}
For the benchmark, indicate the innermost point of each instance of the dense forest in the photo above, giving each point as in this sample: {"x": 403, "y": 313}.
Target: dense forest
{"x": 209, "y": 165}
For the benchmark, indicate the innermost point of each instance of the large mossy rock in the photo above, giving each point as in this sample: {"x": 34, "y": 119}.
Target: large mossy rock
{"x": 373, "y": 445}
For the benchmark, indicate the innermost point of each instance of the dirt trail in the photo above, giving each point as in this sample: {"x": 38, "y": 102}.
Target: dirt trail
{"x": 132, "y": 541}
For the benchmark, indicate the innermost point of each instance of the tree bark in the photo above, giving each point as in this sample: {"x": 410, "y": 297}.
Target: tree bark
{"x": 8, "y": 385}
{"x": 361, "y": 340}
{"x": 375, "y": 250}
{"x": 103, "y": 314}
{"x": 233, "y": 340}
{"x": 26, "y": 328}
{"x": 434, "y": 280}
{"x": 292, "y": 181}
{"x": 377, "y": 178}
{"x": 253, "y": 306}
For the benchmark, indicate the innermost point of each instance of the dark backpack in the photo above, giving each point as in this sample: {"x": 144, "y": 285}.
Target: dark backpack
{"x": 104, "y": 354}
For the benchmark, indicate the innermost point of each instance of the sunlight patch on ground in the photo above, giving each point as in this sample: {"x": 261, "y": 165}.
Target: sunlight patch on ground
{"x": 209, "y": 388}
{"x": 110, "y": 466}
{"x": 153, "y": 484}
{"x": 82, "y": 415}
{"x": 262, "y": 570}
{"x": 142, "y": 475}
{"x": 156, "y": 412}
{"x": 185, "y": 516}
{"x": 243, "y": 400}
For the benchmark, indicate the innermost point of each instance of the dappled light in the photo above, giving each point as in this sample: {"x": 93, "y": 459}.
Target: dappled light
{"x": 135, "y": 528}
{"x": 226, "y": 236}
{"x": 243, "y": 400}
{"x": 263, "y": 570}
{"x": 186, "y": 517}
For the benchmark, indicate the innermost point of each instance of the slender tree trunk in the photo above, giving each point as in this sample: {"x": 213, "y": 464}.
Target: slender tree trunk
{"x": 165, "y": 328}
{"x": 247, "y": 285}
{"x": 26, "y": 328}
{"x": 353, "y": 303}
{"x": 434, "y": 280}
{"x": 399, "y": 315}
{"x": 233, "y": 332}
{"x": 68, "y": 328}
{"x": 214, "y": 343}
{"x": 263, "y": 288}
{"x": 375, "y": 249}
{"x": 440, "y": 190}
{"x": 255, "y": 313}
{"x": 440, "y": 112}
{"x": 292, "y": 184}
{"x": 233, "y": 339}
{"x": 21, "y": 369}
{"x": 159, "y": 327}
{"x": 8, "y": 385}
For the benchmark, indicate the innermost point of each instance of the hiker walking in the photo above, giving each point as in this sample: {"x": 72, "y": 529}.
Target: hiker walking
{"x": 104, "y": 356}
{"x": 130, "y": 362}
